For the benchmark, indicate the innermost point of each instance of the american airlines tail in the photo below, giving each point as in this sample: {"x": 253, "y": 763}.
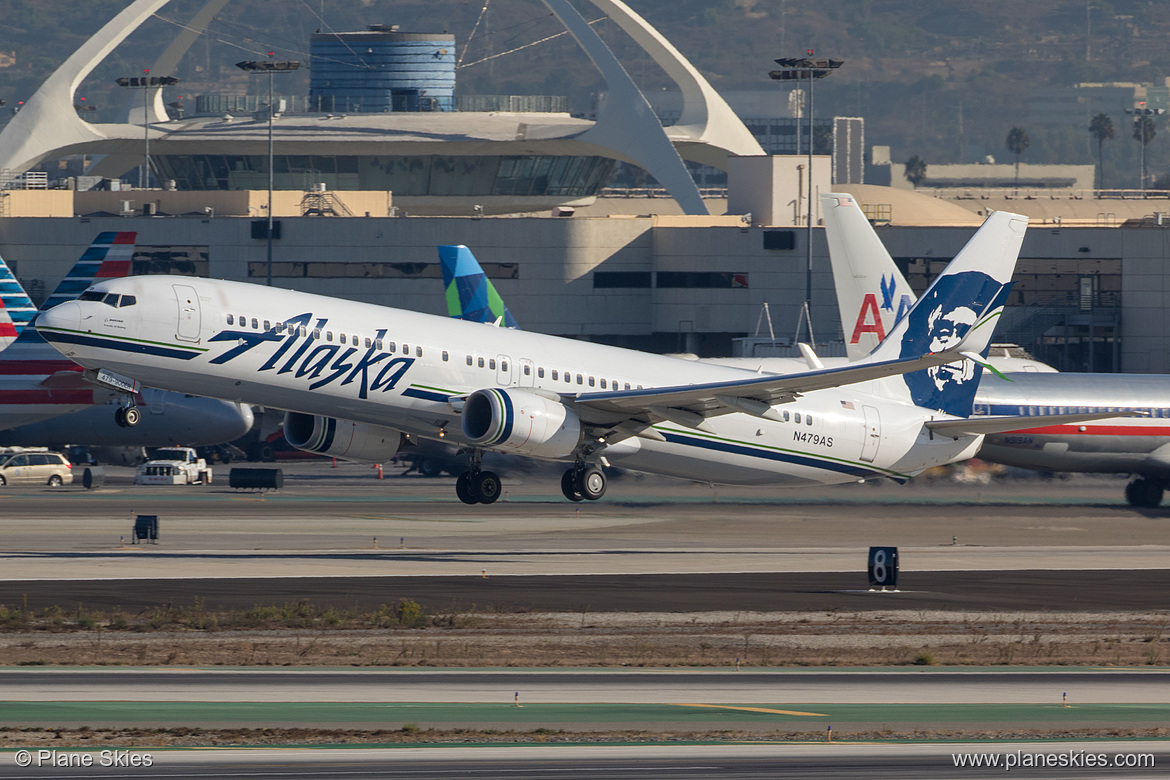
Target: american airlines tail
{"x": 962, "y": 304}
{"x": 862, "y": 271}
{"x": 470, "y": 294}
{"x": 36, "y": 383}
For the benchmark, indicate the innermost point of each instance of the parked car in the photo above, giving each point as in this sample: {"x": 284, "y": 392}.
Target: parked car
{"x": 34, "y": 466}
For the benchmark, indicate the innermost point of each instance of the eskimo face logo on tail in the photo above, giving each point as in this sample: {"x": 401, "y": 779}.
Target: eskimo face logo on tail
{"x": 300, "y": 351}
{"x": 942, "y": 318}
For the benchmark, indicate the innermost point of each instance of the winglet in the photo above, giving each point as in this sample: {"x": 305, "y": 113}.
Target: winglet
{"x": 470, "y": 294}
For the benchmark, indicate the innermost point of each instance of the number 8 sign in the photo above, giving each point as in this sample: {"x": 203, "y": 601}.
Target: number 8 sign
{"x": 883, "y": 567}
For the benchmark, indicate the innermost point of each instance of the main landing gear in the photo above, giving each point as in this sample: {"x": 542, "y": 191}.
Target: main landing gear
{"x": 476, "y": 486}
{"x": 1145, "y": 492}
{"x": 583, "y": 482}
{"x": 127, "y": 416}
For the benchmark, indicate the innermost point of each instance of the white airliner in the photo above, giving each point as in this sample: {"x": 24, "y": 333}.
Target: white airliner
{"x": 872, "y": 295}
{"x": 355, "y": 378}
{"x": 45, "y": 401}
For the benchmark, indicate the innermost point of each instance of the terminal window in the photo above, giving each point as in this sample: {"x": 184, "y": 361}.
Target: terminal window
{"x": 339, "y": 270}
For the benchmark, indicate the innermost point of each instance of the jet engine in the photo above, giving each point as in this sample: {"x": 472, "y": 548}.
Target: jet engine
{"x": 341, "y": 438}
{"x": 521, "y": 422}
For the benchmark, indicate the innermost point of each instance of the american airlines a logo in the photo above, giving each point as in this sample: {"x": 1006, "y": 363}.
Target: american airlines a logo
{"x": 300, "y": 351}
{"x": 869, "y": 317}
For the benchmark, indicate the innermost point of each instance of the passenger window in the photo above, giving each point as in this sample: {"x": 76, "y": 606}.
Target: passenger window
{"x": 255, "y": 324}
{"x": 316, "y": 333}
{"x": 444, "y": 356}
{"x": 481, "y": 362}
{"x": 527, "y": 370}
{"x": 127, "y": 300}
{"x": 267, "y": 325}
{"x": 329, "y": 335}
{"x": 280, "y": 327}
{"x": 231, "y": 320}
{"x": 405, "y": 349}
{"x": 554, "y": 375}
{"x": 785, "y": 415}
{"x": 369, "y": 343}
{"x": 492, "y": 364}
{"x": 602, "y": 383}
{"x": 469, "y": 360}
{"x": 540, "y": 373}
{"x": 591, "y": 381}
{"x": 390, "y": 346}
{"x": 418, "y": 351}
{"x": 580, "y": 379}
{"x": 808, "y": 419}
{"x": 378, "y": 344}
{"x": 503, "y": 365}
{"x": 304, "y": 331}
{"x": 627, "y": 387}
{"x": 796, "y": 417}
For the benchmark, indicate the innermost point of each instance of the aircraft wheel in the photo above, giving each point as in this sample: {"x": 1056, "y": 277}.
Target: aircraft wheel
{"x": 1151, "y": 493}
{"x": 463, "y": 489}
{"x": 131, "y": 416}
{"x": 569, "y": 486}
{"x": 590, "y": 483}
{"x": 120, "y": 417}
{"x": 1132, "y": 491}
{"x": 487, "y": 484}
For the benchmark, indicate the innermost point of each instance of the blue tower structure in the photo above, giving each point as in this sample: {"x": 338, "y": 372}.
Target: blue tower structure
{"x": 381, "y": 70}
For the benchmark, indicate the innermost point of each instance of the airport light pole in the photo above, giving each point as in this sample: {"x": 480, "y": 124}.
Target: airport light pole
{"x": 146, "y": 83}
{"x": 797, "y": 69}
{"x": 1143, "y": 130}
{"x": 270, "y": 67}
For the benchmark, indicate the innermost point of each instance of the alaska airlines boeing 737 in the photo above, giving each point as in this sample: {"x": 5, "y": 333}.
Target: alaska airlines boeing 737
{"x": 356, "y": 378}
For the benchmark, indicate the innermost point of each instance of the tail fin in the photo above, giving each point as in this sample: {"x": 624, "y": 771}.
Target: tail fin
{"x": 872, "y": 294}
{"x": 18, "y": 310}
{"x": 108, "y": 257}
{"x": 963, "y": 304}
{"x": 470, "y": 294}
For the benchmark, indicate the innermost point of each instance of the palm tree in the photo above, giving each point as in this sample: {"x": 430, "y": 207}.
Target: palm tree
{"x": 1018, "y": 143}
{"x": 915, "y": 170}
{"x": 1101, "y": 128}
{"x": 1144, "y": 131}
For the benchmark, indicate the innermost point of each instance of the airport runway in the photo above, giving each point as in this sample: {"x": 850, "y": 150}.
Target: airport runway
{"x": 652, "y": 762}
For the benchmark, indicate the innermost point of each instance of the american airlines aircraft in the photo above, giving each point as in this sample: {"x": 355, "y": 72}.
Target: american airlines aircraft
{"x": 45, "y": 401}
{"x": 356, "y": 379}
{"x": 872, "y": 294}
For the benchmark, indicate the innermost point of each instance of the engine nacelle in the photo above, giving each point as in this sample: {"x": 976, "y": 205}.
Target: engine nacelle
{"x": 521, "y": 422}
{"x": 341, "y": 438}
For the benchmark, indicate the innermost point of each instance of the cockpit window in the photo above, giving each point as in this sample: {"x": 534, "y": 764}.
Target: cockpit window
{"x": 127, "y": 300}
{"x": 111, "y": 299}
{"x": 91, "y": 295}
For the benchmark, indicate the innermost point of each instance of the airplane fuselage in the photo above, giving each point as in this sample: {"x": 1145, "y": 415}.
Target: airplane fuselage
{"x": 408, "y": 371}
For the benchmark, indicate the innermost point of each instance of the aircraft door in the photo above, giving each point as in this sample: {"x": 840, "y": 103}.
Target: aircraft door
{"x": 503, "y": 370}
{"x": 189, "y": 317}
{"x": 527, "y": 373}
{"x": 872, "y": 435}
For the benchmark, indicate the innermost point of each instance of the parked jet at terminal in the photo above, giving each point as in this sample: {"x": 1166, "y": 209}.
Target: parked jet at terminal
{"x": 872, "y": 294}
{"x": 356, "y": 378}
{"x": 44, "y": 399}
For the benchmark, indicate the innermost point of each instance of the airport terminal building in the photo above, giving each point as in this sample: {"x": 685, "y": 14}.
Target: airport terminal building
{"x": 370, "y": 180}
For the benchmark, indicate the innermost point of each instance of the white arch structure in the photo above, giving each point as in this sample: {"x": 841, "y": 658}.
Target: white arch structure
{"x": 707, "y": 131}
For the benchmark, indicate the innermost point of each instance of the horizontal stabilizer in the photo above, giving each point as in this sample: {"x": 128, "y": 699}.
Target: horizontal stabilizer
{"x": 973, "y": 426}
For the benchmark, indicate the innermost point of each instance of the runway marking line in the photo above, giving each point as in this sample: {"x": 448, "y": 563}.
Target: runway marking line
{"x": 757, "y": 709}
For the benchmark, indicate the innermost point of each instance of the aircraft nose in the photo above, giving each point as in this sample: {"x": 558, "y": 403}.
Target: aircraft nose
{"x": 66, "y": 316}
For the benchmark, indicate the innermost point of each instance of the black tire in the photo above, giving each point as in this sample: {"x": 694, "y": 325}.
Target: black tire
{"x": 3, "y": 481}
{"x": 464, "y": 490}
{"x": 1133, "y": 491}
{"x": 120, "y": 417}
{"x": 569, "y": 486}
{"x": 590, "y": 483}
{"x": 1144, "y": 493}
{"x": 429, "y": 467}
{"x": 266, "y": 452}
{"x": 56, "y": 481}
{"x": 132, "y": 416}
{"x": 488, "y": 486}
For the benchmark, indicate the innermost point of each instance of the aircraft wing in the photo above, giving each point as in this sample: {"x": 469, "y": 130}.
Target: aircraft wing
{"x": 973, "y": 426}
{"x": 754, "y": 396}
